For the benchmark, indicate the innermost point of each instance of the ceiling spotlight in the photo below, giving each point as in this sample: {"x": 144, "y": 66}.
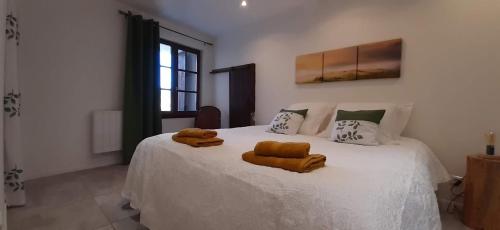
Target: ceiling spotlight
{"x": 243, "y": 3}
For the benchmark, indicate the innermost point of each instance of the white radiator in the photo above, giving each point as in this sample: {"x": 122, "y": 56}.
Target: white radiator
{"x": 106, "y": 131}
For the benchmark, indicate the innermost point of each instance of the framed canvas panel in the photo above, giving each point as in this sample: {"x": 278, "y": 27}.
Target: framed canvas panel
{"x": 380, "y": 60}
{"x": 309, "y": 68}
{"x": 341, "y": 64}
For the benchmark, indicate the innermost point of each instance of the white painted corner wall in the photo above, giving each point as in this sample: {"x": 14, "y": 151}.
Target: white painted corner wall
{"x": 451, "y": 54}
{"x": 71, "y": 58}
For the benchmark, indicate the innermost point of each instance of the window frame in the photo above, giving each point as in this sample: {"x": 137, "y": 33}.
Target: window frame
{"x": 175, "y": 47}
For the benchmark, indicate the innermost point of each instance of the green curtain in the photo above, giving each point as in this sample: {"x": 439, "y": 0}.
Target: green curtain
{"x": 141, "y": 106}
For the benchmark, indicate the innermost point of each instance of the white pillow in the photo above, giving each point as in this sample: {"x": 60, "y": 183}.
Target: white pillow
{"x": 317, "y": 112}
{"x": 404, "y": 116}
{"x": 287, "y": 122}
{"x": 392, "y": 125}
{"x": 357, "y": 127}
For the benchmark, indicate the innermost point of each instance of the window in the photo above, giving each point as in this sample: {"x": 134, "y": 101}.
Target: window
{"x": 179, "y": 80}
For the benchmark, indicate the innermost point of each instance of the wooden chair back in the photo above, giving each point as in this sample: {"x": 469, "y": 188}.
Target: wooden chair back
{"x": 208, "y": 117}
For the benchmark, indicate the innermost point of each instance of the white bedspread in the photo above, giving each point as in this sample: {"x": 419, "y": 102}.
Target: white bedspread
{"x": 362, "y": 187}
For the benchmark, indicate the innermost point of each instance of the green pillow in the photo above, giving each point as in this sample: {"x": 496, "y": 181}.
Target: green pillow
{"x": 374, "y": 116}
{"x": 357, "y": 127}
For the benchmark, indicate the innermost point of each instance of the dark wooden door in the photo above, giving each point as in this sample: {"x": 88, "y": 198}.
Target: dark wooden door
{"x": 241, "y": 96}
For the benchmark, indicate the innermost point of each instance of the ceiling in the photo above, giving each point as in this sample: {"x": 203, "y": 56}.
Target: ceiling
{"x": 215, "y": 16}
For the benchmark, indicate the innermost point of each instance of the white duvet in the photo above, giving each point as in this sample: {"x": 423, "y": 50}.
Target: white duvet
{"x": 362, "y": 187}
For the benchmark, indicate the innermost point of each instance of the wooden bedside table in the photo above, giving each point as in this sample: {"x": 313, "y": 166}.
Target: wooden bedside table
{"x": 482, "y": 192}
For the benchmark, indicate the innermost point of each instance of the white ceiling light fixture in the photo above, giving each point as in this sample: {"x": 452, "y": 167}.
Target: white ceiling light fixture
{"x": 243, "y": 3}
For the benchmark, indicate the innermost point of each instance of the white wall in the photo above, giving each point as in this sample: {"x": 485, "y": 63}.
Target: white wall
{"x": 174, "y": 125}
{"x": 221, "y": 96}
{"x": 450, "y": 64}
{"x": 71, "y": 63}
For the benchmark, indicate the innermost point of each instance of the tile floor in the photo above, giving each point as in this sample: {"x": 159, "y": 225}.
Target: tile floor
{"x": 90, "y": 200}
{"x": 85, "y": 200}
{"x": 452, "y": 222}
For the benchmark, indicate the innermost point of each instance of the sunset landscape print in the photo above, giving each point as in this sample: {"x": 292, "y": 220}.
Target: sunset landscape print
{"x": 380, "y": 60}
{"x": 340, "y": 65}
{"x": 309, "y": 68}
{"x": 370, "y": 61}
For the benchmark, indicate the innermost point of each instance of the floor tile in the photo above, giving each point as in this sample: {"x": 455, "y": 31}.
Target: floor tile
{"x": 80, "y": 215}
{"x": 27, "y": 219}
{"x": 452, "y": 222}
{"x": 131, "y": 223}
{"x": 104, "y": 181}
{"x": 55, "y": 191}
{"x": 108, "y": 227}
{"x": 115, "y": 207}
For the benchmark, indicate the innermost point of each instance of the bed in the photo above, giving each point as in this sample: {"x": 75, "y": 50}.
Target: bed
{"x": 362, "y": 187}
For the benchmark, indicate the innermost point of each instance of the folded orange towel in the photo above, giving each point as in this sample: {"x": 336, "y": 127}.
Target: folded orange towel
{"x": 279, "y": 149}
{"x": 307, "y": 164}
{"x": 196, "y": 132}
{"x": 198, "y": 142}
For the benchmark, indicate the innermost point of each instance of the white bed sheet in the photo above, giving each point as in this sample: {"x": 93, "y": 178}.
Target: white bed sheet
{"x": 362, "y": 187}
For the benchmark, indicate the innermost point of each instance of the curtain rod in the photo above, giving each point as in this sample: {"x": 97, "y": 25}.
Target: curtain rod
{"x": 171, "y": 30}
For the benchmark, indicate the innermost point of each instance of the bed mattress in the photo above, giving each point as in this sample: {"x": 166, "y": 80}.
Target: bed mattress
{"x": 362, "y": 187}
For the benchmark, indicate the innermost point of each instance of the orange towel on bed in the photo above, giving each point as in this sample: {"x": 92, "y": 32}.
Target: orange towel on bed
{"x": 197, "y": 133}
{"x": 285, "y": 150}
{"x": 301, "y": 165}
{"x": 198, "y": 142}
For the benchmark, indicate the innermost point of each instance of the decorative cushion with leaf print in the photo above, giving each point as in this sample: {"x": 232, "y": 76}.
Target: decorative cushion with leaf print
{"x": 357, "y": 127}
{"x": 287, "y": 122}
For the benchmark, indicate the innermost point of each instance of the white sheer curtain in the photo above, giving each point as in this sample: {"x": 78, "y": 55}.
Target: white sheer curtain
{"x": 13, "y": 167}
{"x": 3, "y": 14}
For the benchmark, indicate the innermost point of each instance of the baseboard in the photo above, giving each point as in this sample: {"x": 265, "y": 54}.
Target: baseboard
{"x": 97, "y": 161}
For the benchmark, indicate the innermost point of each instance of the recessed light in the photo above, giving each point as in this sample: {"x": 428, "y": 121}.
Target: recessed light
{"x": 243, "y": 3}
